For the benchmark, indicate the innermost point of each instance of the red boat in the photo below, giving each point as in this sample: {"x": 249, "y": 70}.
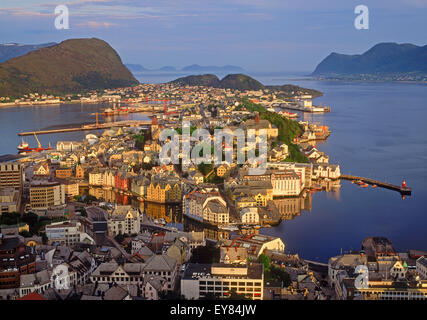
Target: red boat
{"x": 24, "y": 147}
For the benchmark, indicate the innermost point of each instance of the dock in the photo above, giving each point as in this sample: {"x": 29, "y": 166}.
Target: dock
{"x": 401, "y": 189}
{"x": 88, "y": 127}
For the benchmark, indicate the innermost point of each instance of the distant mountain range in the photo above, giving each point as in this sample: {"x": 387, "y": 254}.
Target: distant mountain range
{"x": 13, "y": 50}
{"x": 72, "y": 66}
{"x": 382, "y": 59}
{"x": 192, "y": 68}
{"x": 241, "y": 82}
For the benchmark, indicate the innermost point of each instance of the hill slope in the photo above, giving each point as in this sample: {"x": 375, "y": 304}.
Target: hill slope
{"x": 13, "y": 50}
{"x": 242, "y": 82}
{"x": 383, "y": 58}
{"x": 71, "y": 66}
{"x": 198, "y": 68}
{"x": 231, "y": 81}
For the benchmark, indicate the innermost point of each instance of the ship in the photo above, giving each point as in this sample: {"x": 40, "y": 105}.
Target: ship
{"x": 114, "y": 111}
{"x": 23, "y": 145}
{"x": 25, "y": 148}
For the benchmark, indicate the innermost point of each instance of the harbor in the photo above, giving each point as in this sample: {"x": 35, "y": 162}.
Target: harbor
{"x": 88, "y": 127}
{"x": 403, "y": 189}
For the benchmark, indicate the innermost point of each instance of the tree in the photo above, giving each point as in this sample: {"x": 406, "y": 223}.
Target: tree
{"x": 9, "y": 218}
{"x": 263, "y": 259}
{"x": 236, "y": 296}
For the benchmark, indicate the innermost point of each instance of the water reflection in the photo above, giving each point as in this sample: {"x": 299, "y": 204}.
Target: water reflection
{"x": 289, "y": 208}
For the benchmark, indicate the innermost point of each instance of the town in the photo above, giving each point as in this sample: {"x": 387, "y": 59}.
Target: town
{"x": 105, "y": 219}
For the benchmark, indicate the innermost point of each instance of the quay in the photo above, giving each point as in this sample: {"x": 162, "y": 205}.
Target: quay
{"x": 402, "y": 189}
{"x": 88, "y": 127}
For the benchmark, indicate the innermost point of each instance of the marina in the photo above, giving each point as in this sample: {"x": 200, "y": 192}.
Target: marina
{"x": 403, "y": 189}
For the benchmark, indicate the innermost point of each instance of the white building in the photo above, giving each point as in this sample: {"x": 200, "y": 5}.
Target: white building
{"x": 422, "y": 267}
{"x": 67, "y": 233}
{"x": 206, "y": 206}
{"x": 219, "y": 280}
{"x": 249, "y": 215}
{"x": 96, "y": 178}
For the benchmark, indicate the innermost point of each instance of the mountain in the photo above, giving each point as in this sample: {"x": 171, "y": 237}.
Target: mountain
{"x": 69, "y": 67}
{"x": 208, "y": 80}
{"x": 13, "y": 50}
{"x": 242, "y": 82}
{"x": 167, "y": 68}
{"x": 136, "y": 67}
{"x": 198, "y": 68}
{"x": 383, "y": 58}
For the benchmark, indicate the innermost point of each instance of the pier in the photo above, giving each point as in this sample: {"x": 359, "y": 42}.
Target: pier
{"x": 402, "y": 189}
{"x": 88, "y": 127}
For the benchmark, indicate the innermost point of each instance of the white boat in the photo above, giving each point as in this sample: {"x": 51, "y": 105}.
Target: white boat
{"x": 229, "y": 228}
{"x": 23, "y": 145}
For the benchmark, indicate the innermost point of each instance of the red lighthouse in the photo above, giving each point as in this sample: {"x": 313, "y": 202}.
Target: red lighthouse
{"x": 404, "y": 184}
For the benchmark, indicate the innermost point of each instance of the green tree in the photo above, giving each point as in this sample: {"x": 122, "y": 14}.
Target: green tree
{"x": 263, "y": 259}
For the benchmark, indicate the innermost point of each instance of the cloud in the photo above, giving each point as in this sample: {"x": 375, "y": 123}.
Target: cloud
{"x": 96, "y": 24}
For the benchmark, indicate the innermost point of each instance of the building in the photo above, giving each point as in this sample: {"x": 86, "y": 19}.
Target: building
{"x": 71, "y": 189}
{"x": 325, "y": 170}
{"x": 96, "y": 178}
{"x": 222, "y": 170}
{"x": 11, "y": 175}
{"x": 67, "y": 233}
{"x": 64, "y": 173}
{"x": 15, "y": 259}
{"x": 236, "y": 255}
{"x": 10, "y": 200}
{"x": 124, "y": 220}
{"x": 96, "y": 223}
{"x": 283, "y": 182}
{"x": 249, "y": 215}
{"x": 164, "y": 191}
{"x": 206, "y": 205}
{"x": 153, "y": 287}
{"x": 421, "y": 265}
{"x": 385, "y": 290}
{"x": 42, "y": 170}
{"x": 163, "y": 266}
{"x": 261, "y": 125}
{"x": 256, "y": 244}
{"x": 45, "y": 195}
{"x": 219, "y": 280}
{"x": 125, "y": 274}
{"x": 80, "y": 172}
{"x": 68, "y": 146}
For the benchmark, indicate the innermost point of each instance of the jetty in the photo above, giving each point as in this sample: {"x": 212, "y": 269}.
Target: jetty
{"x": 403, "y": 189}
{"x": 88, "y": 127}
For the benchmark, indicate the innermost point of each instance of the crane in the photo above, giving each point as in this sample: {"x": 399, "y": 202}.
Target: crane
{"x": 39, "y": 145}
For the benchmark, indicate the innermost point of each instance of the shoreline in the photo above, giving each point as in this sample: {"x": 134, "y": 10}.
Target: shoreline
{"x": 13, "y": 104}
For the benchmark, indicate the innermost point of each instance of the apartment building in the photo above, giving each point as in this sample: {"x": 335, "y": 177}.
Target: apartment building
{"x": 421, "y": 265}
{"x": 45, "y": 195}
{"x": 67, "y": 233}
{"x": 10, "y": 200}
{"x": 11, "y": 175}
{"x": 206, "y": 206}
{"x": 219, "y": 280}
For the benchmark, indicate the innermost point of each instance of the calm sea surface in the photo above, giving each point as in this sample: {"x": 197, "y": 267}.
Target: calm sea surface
{"x": 379, "y": 130}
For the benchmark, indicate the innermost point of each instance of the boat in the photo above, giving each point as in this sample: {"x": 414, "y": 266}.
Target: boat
{"x": 228, "y": 228}
{"x": 365, "y": 185}
{"x": 24, "y": 147}
{"x": 316, "y": 187}
{"x": 374, "y": 186}
{"x": 109, "y": 112}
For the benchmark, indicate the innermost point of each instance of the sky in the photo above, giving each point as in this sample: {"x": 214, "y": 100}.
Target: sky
{"x": 258, "y": 35}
